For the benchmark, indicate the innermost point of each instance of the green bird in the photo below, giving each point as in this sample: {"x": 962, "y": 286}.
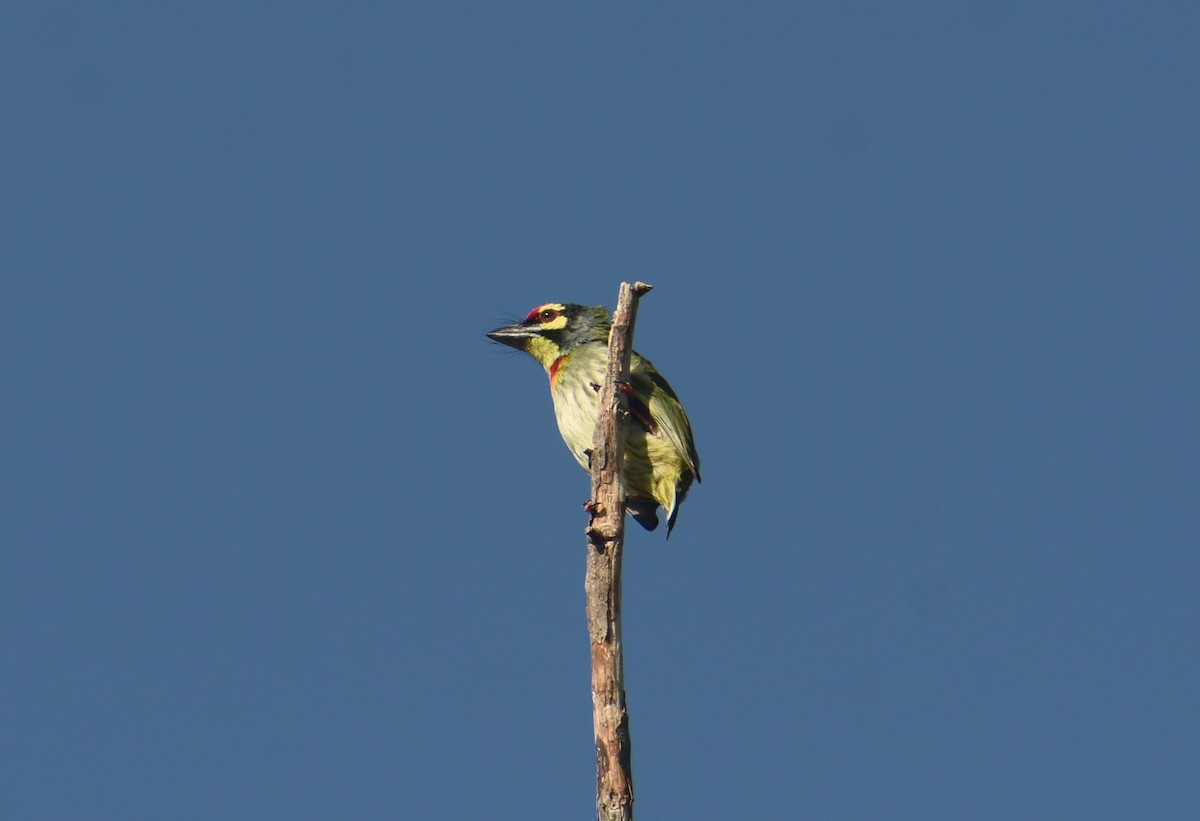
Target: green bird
{"x": 571, "y": 343}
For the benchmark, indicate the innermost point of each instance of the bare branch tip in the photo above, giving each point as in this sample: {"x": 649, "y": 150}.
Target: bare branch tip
{"x": 640, "y": 288}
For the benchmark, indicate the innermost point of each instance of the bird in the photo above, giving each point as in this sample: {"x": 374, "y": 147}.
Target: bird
{"x": 660, "y": 459}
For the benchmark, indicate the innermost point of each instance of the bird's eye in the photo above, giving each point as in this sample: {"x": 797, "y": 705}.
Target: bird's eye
{"x": 548, "y": 315}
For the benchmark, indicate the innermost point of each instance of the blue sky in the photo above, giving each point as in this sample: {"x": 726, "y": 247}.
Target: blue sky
{"x": 284, "y": 536}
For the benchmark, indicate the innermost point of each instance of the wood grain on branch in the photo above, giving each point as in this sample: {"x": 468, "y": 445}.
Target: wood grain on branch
{"x": 606, "y": 537}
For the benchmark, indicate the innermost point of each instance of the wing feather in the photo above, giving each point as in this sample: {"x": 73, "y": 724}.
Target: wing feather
{"x": 666, "y": 418}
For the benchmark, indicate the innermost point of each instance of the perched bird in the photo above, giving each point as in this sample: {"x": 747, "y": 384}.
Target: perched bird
{"x": 571, "y": 343}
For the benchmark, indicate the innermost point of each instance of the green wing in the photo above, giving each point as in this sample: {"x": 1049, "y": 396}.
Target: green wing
{"x": 655, "y": 405}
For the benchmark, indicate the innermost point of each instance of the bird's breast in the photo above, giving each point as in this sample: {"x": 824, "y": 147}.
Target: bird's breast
{"x": 576, "y": 403}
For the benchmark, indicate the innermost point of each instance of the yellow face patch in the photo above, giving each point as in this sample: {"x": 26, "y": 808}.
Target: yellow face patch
{"x": 544, "y": 319}
{"x": 543, "y": 350}
{"x": 549, "y": 317}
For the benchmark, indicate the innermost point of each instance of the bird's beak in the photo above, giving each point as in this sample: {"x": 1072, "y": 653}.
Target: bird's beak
{"x": 513, "y": 335}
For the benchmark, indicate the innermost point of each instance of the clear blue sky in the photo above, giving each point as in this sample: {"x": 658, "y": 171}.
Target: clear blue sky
{"x": 284, "y": 537}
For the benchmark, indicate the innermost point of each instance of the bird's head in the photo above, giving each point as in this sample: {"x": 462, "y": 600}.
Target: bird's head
{"x": 554, "y": 329}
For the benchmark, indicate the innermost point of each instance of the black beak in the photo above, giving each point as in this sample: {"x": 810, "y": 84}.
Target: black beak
{"x": 513, "y": 335}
